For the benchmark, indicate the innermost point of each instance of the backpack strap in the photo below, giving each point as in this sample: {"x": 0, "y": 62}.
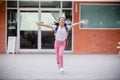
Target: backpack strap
{"x": 66, "y": 28}
{"x": 56, "y": 28}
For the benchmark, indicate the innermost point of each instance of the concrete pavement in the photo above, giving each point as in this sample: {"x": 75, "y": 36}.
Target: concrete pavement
{"x": 43, "y": 67}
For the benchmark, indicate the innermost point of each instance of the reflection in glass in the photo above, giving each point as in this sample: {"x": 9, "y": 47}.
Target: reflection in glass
{"x": 48, "y": 17}
{"x": 68, "y": 15}
{"x": 28, "y": 39}
{"x": 28, "y": 30}
{"x": 12, "y": 4}
{"x": 31, "y": 4}
{"x": 50, "y": 4}
{"x": 67, "y": 4}
{"x": 12, "y": 22}
{"x": 28, "y": 21}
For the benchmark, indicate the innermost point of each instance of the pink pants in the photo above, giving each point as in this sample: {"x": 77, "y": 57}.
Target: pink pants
{"x": 59, "y": 49}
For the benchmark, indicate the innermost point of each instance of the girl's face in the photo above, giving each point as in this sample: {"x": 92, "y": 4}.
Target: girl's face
{"x": 61, "y": 21}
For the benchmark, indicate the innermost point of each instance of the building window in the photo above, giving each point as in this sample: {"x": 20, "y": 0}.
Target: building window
{"x": 29, "y": 4}
{"x": 68, "y": 15}
{"x": 50, "y": 4}
{"x": 67, "y": 4}
{"x": 100, "y": 16}
{"x": 12, "y": 4}
{"x": 11, "y": 22}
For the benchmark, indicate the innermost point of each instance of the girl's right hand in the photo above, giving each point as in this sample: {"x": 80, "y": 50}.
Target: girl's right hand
{"x": 39, "y": 24}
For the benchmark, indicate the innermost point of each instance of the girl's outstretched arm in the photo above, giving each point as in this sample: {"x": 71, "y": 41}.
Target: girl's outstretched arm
{"x": 45, "y": 25}
{"x": 81, "y": 22}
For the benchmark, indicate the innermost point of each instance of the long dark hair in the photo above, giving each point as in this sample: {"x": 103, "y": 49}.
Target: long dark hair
{"x": 60, "y": 18}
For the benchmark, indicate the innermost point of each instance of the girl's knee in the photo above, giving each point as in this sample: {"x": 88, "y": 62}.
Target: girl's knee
{"x": 60, "y": 55}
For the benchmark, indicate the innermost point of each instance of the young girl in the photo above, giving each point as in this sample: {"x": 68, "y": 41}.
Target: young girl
{"x": 60, "y": 37}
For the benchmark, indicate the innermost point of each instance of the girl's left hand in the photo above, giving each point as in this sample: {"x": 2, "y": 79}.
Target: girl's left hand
{"x": 84, "y": 22}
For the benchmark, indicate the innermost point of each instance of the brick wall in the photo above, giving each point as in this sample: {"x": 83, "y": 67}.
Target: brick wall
{"x": 2, "y": 26}
{"x": 88, "y": 41}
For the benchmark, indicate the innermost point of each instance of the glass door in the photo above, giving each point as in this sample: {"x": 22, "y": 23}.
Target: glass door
{"x": 28, "y": 30}
{"x": 47, "y": 35}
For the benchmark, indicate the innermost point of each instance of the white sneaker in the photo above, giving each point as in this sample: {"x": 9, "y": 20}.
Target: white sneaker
{"x": 61, "y": 70}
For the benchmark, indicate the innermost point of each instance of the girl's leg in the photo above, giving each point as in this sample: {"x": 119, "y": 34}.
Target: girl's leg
{"x": 56, "y": 46}
{"x": 61, "y": 50}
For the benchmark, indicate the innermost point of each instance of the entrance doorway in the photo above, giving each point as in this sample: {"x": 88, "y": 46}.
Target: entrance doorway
{"x": 32, "y": 37}
{"x": 21, "y": 23}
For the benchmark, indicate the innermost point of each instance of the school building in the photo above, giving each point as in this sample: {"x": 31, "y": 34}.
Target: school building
{"x": 100, "y": 36}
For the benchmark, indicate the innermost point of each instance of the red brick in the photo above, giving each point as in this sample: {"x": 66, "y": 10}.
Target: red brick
{"x": 2, "y": 26}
